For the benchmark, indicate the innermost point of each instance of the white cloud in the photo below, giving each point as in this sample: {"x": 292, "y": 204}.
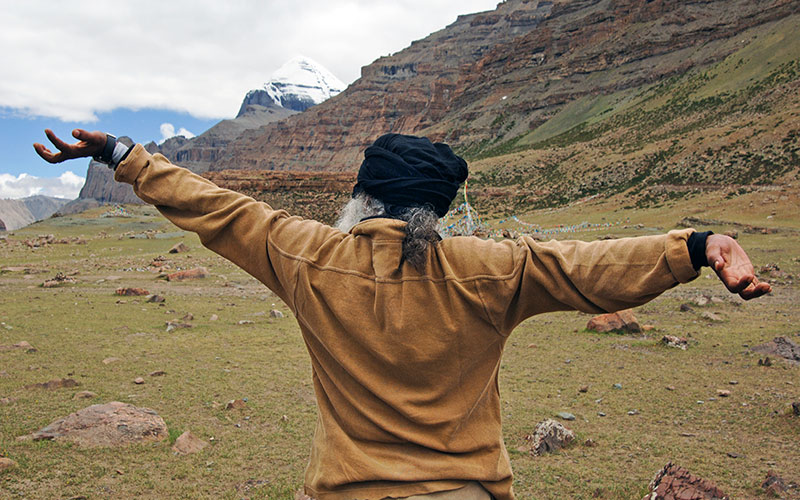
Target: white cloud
{"x": 168, "y": 130}
{"x": 72, "y": 60}
{"x": 67, "y": 185}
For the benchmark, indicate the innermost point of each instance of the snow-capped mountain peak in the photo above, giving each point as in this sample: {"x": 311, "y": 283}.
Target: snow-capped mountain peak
{"x": 299, "y": 84}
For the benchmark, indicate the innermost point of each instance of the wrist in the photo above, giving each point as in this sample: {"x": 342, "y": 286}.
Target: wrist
{"x": 696, "y": 244}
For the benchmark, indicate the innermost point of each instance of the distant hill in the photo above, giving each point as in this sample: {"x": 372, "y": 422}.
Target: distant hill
{"x": 15, "y": 214}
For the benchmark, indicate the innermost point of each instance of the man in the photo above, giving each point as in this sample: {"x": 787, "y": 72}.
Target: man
{"x": 405, "y": 330}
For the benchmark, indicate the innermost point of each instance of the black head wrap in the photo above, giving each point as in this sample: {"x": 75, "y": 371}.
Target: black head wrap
{"x": 407, "y": 171}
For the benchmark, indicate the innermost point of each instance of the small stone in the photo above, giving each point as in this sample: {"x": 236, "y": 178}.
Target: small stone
{"x": 796, "y": 408}
{"x": 156, "y": 299}
{"x": 25, "y": 346}
{"x": 648, "y": 328}
{"x": 84, "y": 395}
{"x": 275, "y": 314}
{"x": 670, "y": 387}
{"x": 590, "y": 443}
{"x": 710, "y": 316}
{"x": 601, "y": 414}
{"x": 700, "y": 401}
{"x": 765, "y": 362}
{"x": 686, "y": 308}
{"x": 108, "y": 361}
{"x": 131, "y": 292}
{"x": 174, "y": 325}
{"x": 213, "y": 317}
{"x": 734, "y": 382}
{"x": 633, "y": 412}
{"x": 188, "y": 317}
{"x": 138, "y": 381}
{"x": 617, "y": 386}
{"x": 6, "y": 464}
{"x": 584, "y": 388}
{"x": 565, "y": 415}
{"x": 54, "y": 384}
{"x": 673, "y": 341}
{"x": 7, "y": 401}
{"x": 723, "y": 393}
{"x": 244, "y": 322}
{"x": 236, "y": 404}
{"x": 158, "y": 373}
{"x": 187, "y": 443}
{"x": 734, "y": 455}
{"x": 702, "y": 300}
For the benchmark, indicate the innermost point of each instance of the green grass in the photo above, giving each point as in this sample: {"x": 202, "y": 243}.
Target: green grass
{"x": 75, "y": 327}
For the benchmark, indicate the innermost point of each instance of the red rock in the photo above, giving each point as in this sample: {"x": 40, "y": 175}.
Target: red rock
{"x": 131, "y": 292}
{"x": 774, "y": 485}
{"x": 187, "y": 443}
{"x": 196, "y": 273}
{"x": 236, "y": 404}
{"x": 676, "y": 483}
{"x": 621, "y": 321}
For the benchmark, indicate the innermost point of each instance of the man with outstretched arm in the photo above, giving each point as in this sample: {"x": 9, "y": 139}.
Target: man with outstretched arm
{"x": 405, "y": 330}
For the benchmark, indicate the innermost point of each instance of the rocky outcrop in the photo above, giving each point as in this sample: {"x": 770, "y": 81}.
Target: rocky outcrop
{"x": 673, "y": 482}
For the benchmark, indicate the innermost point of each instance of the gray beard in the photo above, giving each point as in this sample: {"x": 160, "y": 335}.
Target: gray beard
{"x": 355, "y": 210}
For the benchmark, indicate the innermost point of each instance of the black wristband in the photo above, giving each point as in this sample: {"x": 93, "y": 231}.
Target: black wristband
{"x": 697, "y": 249}
{"x": 108, "y": 150}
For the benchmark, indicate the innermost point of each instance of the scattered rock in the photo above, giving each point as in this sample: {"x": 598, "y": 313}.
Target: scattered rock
{"x": 723, "y": 393}
{"x": 187, "y": 443}
{"x": 676, "y": 483}
{"x": 621, "y": 321}
{"x": 633, "y": 412}
{"x": 648, "y": 328}
{"x": 780, "y": 346}
{"x": 156, "y": 299}
{"x": 275, "y": 314}
{"x": 58, "y": 280}
{"x": 213, "y": 317}
{"x": 158, "y": 373}
{"x": 796, "y": 408}
{"x": 686, "y": 308}
{"x": 584, "y": 388}
{"x": 174, "y": 325}
{"x": 84, "y": 395}
{"x": 549, "y": 436}
{"x": 670, "y": 388}
{"x": 236, "y": 404}
{"x": 244, "y": 322}
{"x": 734, "y": 382}
{"x": 138, "y": 381}
{"x": 617, "y": 386}
{"x": 774, "y": 485}
{"x": 702, "y": 300}
{"x": 188, "y": 317}
{"x": 7, "y": 401}
{"x": 765, "y": 362}
{"x": 131, "y": 292}
{"x": 107, "y": 425}
{"x": 179, "y": 248}
{"x": 710, "y": 316}
{"x": 6, "y": 464}
{"x": 110, "y": 360}
{"x": 590, "y": 443}
{"x": 565, "y": 415}
{"x": 54, "y": 384}
{"x": 673, "y": 341}
{"x": 196, "y": 273}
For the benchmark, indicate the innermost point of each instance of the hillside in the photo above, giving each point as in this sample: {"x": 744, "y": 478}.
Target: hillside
{"x": 556, "y": 101}
{"x": 15, "y": 214}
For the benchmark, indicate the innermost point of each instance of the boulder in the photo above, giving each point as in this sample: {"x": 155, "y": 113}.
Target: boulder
{"x": 189, "y": 274}
{"x": 187, "y": 443}
{"x": 106, "y": 425}
{"x": 549, "y": 436}
{"x": 673, "y": 482}
{"x": 179, "y": 248}
{"x": 621, "y": 321}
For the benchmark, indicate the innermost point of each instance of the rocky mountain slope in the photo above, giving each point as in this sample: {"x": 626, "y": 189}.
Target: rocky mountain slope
{"x": 15, "y": 214}
{"x": 566, "y": 99}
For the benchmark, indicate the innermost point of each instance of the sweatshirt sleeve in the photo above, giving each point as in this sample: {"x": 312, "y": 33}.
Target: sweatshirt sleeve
{"x": 249, "y": 233}
{"x": 593, "y": 277}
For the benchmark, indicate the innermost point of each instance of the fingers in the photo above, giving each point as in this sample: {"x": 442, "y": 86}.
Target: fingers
{"x": 58, "y": 143}
{"x": 755, "y": 290}
{"x": 46, "y": 154}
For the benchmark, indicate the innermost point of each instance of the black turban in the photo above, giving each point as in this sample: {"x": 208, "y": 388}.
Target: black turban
{"x": 408, "y": 171}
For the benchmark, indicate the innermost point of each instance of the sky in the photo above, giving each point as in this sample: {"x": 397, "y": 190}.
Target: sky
{"x": 153, "y": 69}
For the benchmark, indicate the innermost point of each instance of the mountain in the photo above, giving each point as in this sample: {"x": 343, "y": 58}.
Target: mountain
{"x": 297, "y": 85}
{"x": 15, "y": 214}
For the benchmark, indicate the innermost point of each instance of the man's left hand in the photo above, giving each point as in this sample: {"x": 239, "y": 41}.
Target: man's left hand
{"x": 733, "y": 267}
{"x": 90, "y": 144}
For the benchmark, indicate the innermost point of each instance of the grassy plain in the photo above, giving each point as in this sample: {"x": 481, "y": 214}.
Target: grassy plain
{"x": 261, "y": 452}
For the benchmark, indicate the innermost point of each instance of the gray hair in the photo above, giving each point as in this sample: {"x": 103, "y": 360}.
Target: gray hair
{"x": 422, "y": 225}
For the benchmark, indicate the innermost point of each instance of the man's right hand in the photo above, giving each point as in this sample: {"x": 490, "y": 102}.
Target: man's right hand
{"x": 90, "y": 144}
